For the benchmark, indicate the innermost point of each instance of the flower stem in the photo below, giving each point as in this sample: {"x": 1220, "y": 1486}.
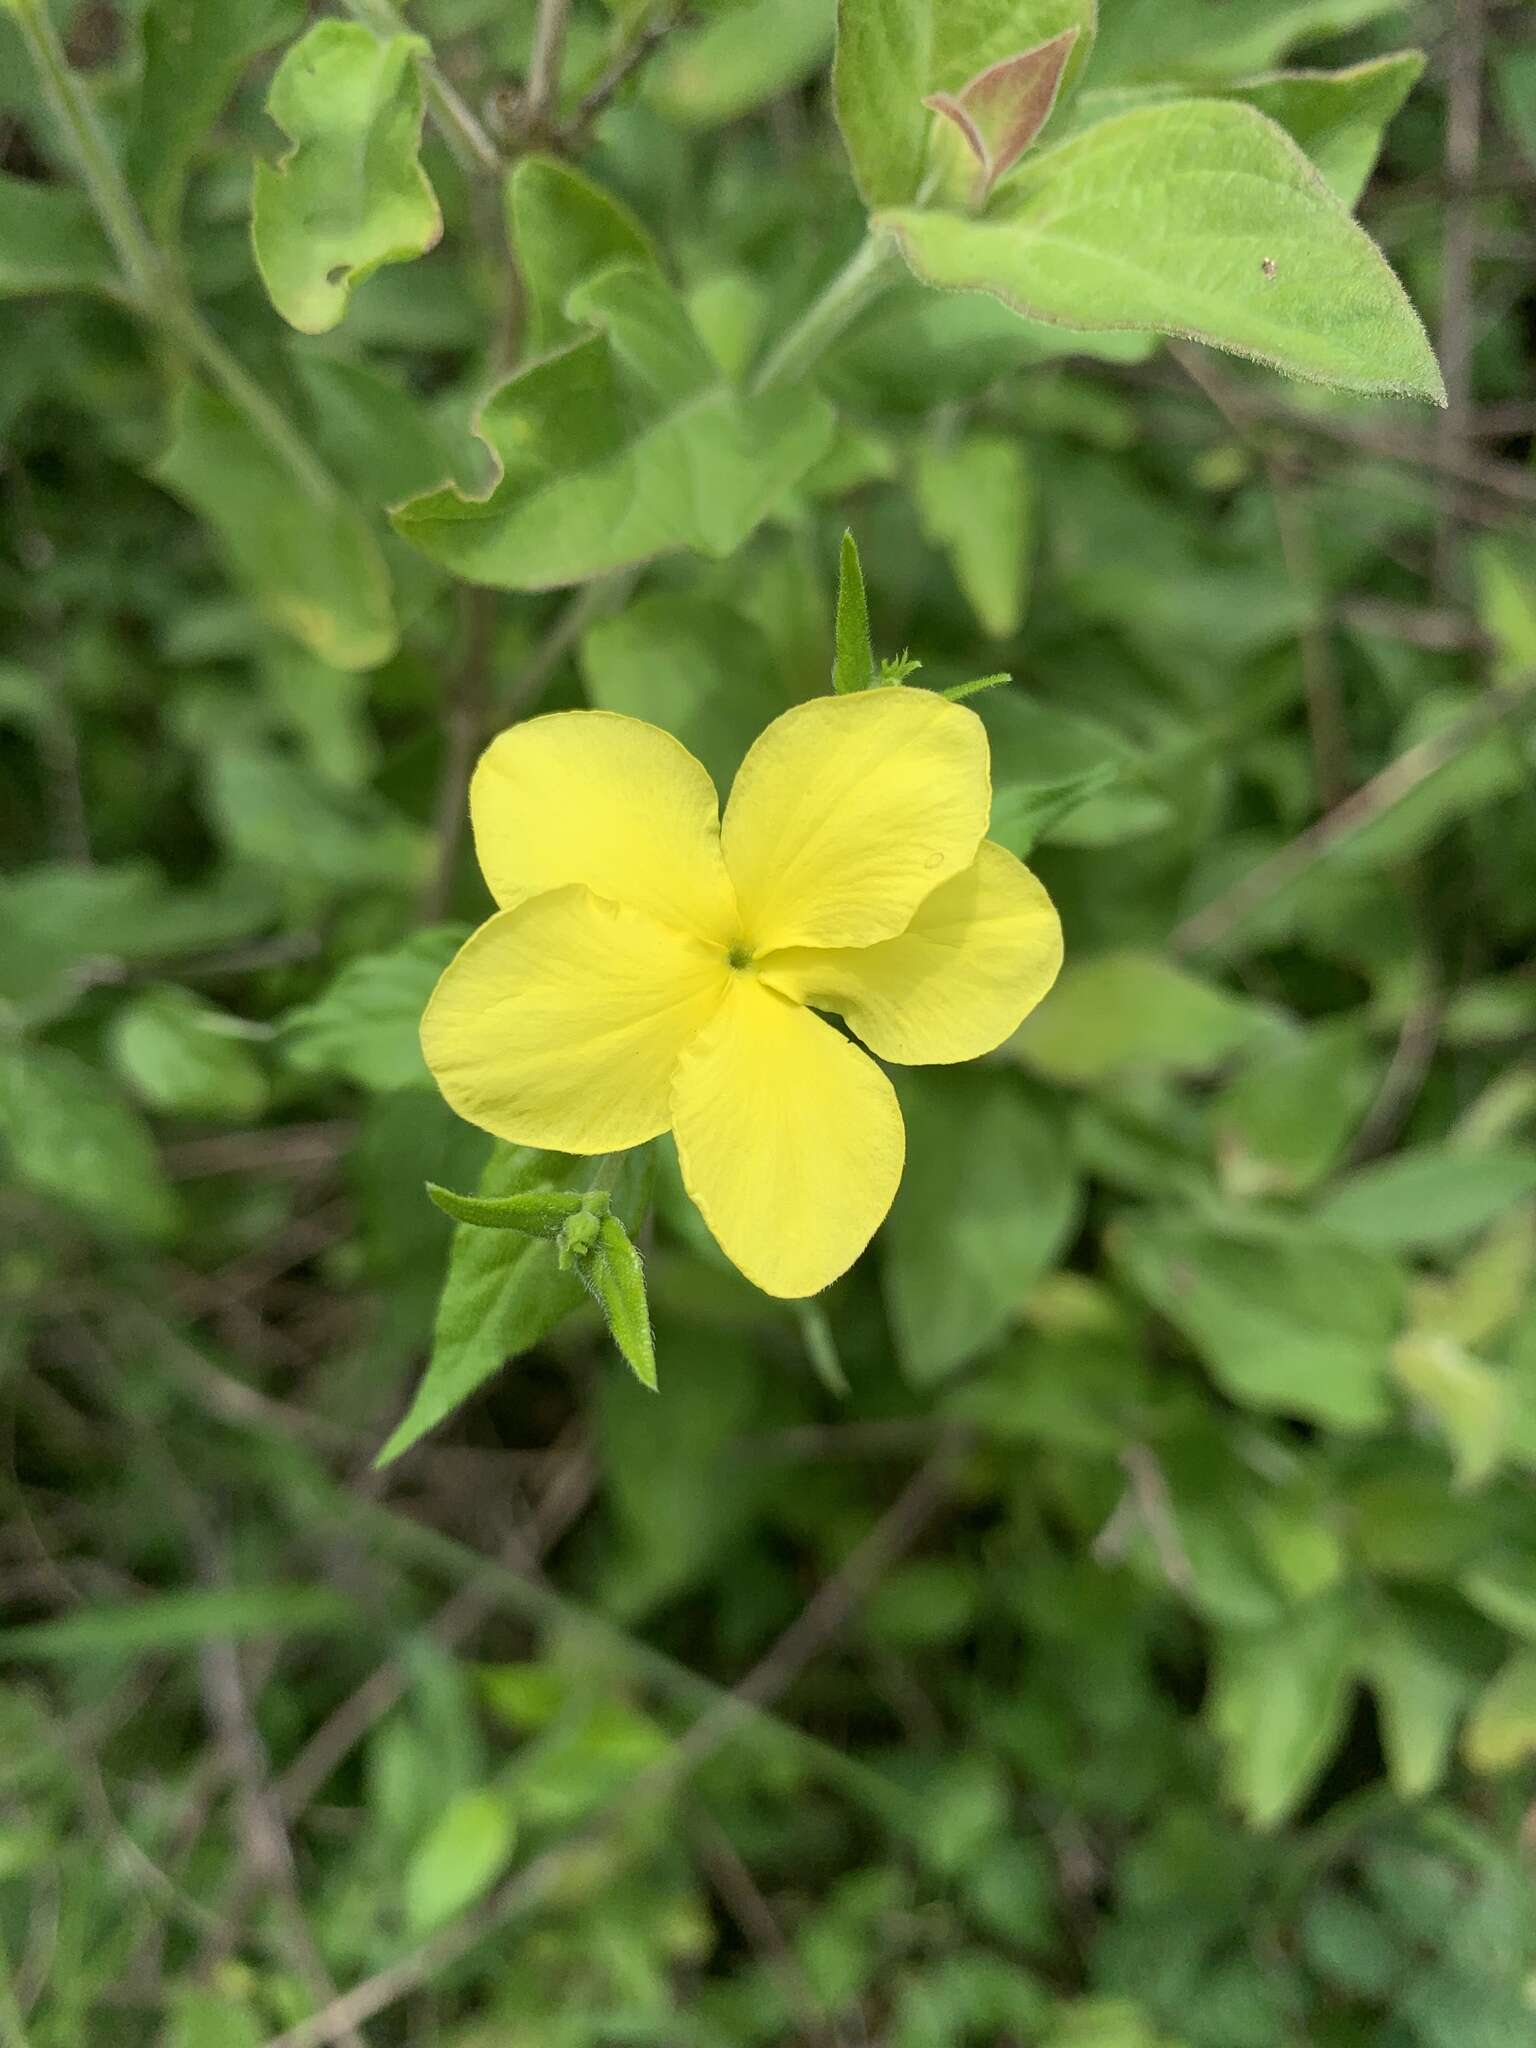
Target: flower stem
{"x": 862, "y": 278}
{"x": 71, "y": 106}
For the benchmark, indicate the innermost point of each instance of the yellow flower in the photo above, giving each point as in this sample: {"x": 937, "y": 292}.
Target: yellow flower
{"x": 650, "y": 967}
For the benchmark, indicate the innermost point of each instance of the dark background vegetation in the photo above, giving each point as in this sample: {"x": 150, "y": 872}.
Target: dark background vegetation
{"x": 1142, "y": 1652}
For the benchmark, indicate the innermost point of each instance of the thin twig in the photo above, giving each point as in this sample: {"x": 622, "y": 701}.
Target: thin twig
{"x": 1217, "y": 920}
{"x": 1463, "y": 146}
{"x": 739, "y": 1894}
{"x": 544, "y": 62}
{"x": 1326, "y": 726}
{"x": 622, "y": 68}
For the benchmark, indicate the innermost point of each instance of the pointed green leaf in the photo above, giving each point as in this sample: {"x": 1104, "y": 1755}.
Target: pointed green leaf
{"x": 892, "y": 55}
{"x": 184, "y": 1057}
{"x": 989, "y": 1197}
{"x": 1429, "y": 1196}
{"x": 1293, "y": 1324}
{"x": 853, "y": 664}
{"x": 1468, "y": 1399}
{"x": 49, "y": 241}
{"x": 72, "y": 1137}
{"x": 739, "y": 58}
{"x": 465, "y": 1850}
{"x": 1198, "y": 218}
{"x": 565, "y": 229}
{"x": 1501, "y": 1731}
{"x": 366, "y": 1027}
{"x": 1278, "y": 1702}
{"x": 194, "y": 55}
{"x": 627, "y": 445}
{"x": 1146, "y": 41}
{"x": 350, "y": 194}
{"x": 613, "y": 1274}
{"x": 976, "y": 499}
{"x": 308, "y": 558}
{"x": 1421, "y": 1693}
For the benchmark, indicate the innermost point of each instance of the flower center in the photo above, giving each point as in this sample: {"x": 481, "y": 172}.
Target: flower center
{"x": 739, "y": 956}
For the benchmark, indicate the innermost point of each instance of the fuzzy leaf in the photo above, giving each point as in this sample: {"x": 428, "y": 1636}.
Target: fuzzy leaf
{"x": 976, "y": 499}
{"x": 853, "y": 664}
{"x": 49, "y": 241}
{"x": 627, "y": 445}
{"x": 614, "y": 1276}
{"x": 565, "y": 229}
{"x": 350, "y": 195}
{"x": 543, "y": 1213}
{"x": 1198, "y": 218}
{"x": 309, "y": 559}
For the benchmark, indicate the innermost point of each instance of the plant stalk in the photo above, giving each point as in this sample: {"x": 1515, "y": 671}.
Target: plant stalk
{"x": 861, "y": 280}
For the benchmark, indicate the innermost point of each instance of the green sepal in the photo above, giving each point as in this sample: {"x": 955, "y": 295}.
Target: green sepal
{"x": 614, "y": 1276}
{"x": 853, "y": 667}
{"x": 958, "y": 692}
{"x": 544, "y": 1213}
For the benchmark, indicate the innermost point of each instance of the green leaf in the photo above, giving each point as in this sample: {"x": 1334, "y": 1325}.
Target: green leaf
{"x": 1278, "y": 1703}
{"x": 194, "y": 56}
{"x": 1283, "y": 1122}
{"x": 466, "y": 1849}
{"x": 503, "y": 1291}
{"x": 853, "y": 663}
{"x": 270, "y": 810}
{"x": 613, "y": 1274}
{"x": 49, "y": 241}
{"x": 1064, "y": 777}
{"x": 1501, "y": 1730}
{"x": 1292, "y": 1324}
{"x": 565, "y": 230}
{"x": 1135, "y": 1013}
{"x": 976, "y": 500}
{"x": 1429, "y": 1197}
{"x": 543, "y": 1213}
{"x": 307, "y": 557}
{"x": 366, "y": 1026}
{"x": 186, "y": 1057}
{"x": 1337, "y": 118}
{"x": 1199, "y": 218}
{"x": 1151, "y": 40}
{"x": 745, "y": 56}
{"x": 691, "y": 665}
{"x": 182, "y": 1621}
{"x": 892, "y": 55}
{"x": 350, "y": 194}
{"x": 988, "y": 1198}
{"x": 377, "y": 436}
{"x": 1469, "y": 1400}
{"x": 625, "y": 446}
{"x": 73, "y": 1138}
{"x": 1421, "y": 1695}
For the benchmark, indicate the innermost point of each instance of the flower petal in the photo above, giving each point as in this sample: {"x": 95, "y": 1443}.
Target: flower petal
{"x": 789, "y": 1137}
{"x": 594, "y": 797}
{"x": 980, "y": 953}
{"x": 849, "y": 810}
{"x": 559, "y": 1023}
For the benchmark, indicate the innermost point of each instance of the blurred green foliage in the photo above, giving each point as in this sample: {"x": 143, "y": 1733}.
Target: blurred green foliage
{"x": 1108, "y": 1618}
